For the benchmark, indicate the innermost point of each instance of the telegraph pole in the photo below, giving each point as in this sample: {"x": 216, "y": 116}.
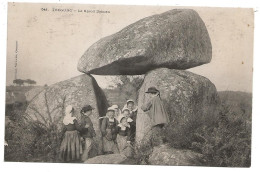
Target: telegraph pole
{"x": 16, "y": 57}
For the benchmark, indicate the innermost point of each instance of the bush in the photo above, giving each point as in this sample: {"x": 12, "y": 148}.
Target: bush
{"x": 19, "y": 148}
{"x": 181, "y": 135}
{"x": 30, "y": 141}
{"x": 228, "y": 144}
{"x": 46, "y": 143}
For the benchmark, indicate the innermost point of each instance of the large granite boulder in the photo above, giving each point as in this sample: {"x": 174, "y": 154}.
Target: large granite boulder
{"x": 191, "y": 100}
{"x": 32, "y": 93}
{"x": 176, "y": 39}
{"x": 48, "y": 106}
{"x": 166, "y": 155}
{"x": 107, "y": 159}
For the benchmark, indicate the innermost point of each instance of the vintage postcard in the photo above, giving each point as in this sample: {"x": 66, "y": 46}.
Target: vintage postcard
{"x": 140, "y": 85}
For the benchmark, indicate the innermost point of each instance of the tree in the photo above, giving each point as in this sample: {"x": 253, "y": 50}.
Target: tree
{"x": 30, "y": 82}
{"x": 19, "y": 82}
{"x": 129, "y": 85}
{"x": 33, "y": 82}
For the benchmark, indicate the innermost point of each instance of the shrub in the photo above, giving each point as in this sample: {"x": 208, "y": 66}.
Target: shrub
{"x": 46, "y": 143}
{"x": 227, "y": 144}
{"x": 30, "y": 140}
{"x": 181, "y": 135}
{"x": 17, "y": 135}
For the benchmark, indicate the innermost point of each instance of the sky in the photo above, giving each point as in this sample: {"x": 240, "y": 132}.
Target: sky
{"x": 51, "y": 42}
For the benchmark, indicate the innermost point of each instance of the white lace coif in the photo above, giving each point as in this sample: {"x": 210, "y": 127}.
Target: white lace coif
{"x": 68, "y": 119}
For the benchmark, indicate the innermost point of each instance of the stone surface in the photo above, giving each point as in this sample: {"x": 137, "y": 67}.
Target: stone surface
{"x": 31, "y": 94}
{"x": 165, "y": 155}
{"x": 48, "y": 106}
{"x": 176, "y": 39}
{"x": 186, "y": 96}
{"x": 107, "y": 159}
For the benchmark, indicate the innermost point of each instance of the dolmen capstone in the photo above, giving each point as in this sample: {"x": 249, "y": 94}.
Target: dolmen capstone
{"x": 49, "y": 105}
{"x": 176, "y": 39}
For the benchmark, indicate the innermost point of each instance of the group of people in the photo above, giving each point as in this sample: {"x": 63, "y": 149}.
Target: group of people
{"x": 118, "y": 128}
{"x": 76, "y": 136}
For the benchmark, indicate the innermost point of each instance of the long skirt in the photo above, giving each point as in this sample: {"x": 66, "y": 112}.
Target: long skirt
{"x": 109, "y": 146}
{"x": 124, "y": 148}
{"x": 71, "y": 147}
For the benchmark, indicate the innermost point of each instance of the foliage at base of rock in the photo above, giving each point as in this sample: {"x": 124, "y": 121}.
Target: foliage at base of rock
{"x": 29, "y": 141}
{"x": 228, "y": 142}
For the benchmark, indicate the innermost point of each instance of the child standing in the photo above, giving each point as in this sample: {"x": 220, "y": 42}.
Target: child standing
{"x": 109, "y": 132}
{"x": 117, "y": 111}
{"x": 87, "y": 131}
{"x": 130, "y": 104}
{"x": 71, "y": 147}
{"x": 131, "y": 122}
{"x": 123, "y": 137}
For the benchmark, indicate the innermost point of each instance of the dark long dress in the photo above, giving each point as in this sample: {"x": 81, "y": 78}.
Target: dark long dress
{"x": 109, "y": 133}
{"x": 133, "y": 116}
{"x": 71, "y": 148}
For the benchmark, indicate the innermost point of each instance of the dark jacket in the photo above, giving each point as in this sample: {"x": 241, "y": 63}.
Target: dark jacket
{"x": 156, "y": 110}
{"x": 132, "y": 129}
{"x": 126, "y": 132}
{"x": 109, "y": 129}
{"x": 87, "y": 132}
{"x": 133, "y": 115}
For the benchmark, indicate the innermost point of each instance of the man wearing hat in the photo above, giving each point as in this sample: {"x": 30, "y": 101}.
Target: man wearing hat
{"x": 159, "y": 117}
{"x": 87, "y": 132}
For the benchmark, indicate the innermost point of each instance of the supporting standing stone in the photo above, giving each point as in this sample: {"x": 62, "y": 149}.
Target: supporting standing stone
{"x": 47, "y": 108}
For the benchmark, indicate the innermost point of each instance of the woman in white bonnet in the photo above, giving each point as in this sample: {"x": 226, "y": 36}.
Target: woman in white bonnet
{"x": 71, "y": 148}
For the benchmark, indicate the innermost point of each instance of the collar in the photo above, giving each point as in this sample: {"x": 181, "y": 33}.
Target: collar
{"x": 111, "y": 120}
{"x": 129, "y": 120}
{"x": 68, "y": 120}
{"x": 123, "y": 127}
